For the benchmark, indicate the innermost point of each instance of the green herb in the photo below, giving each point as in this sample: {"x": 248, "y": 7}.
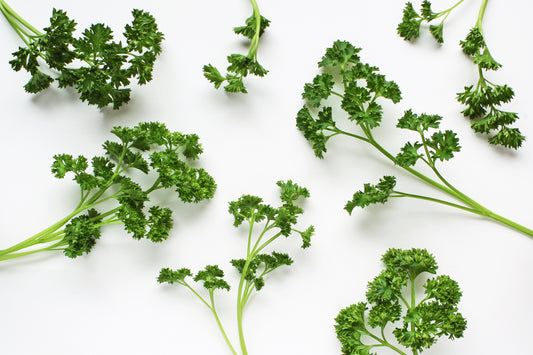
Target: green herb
{"x": 106, "y": 67}
{"x": 241, "y": 65}
{"x": 360, "y": 90}
{"x": 110, "y": 182}
{"x": 256, "y": 265}
{"x": 483, "y": 100}
{"x": 422, "y": 319}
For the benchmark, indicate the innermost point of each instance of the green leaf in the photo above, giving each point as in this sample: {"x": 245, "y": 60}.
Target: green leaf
{"x": 143, "y": 33}
{"x": 418, "y": 123}
{"x": 290, "y": 192}
{"x": 372, "y": 194}
{"x": 409, "y": 28}
{"x": 213, "y": 75}
{"x": 160, "y": 223}
{"x": 443, "y": 145}
{"x": 170, "y": 276}
{"x": 409, "y": 154}
{"x": 319, "y": 90}
{"x": 437, "y": 32}
{"x": 38, "y": 82}
{"x": 312, "y": 129}
{"x": 235, "y": 84}
{"x": 81, "y": 234}
{"x": 250, "y": 28}
{"x": 340, "y": 54}
{"x": 426, "y": 11}
{"x": 212, "y": 277}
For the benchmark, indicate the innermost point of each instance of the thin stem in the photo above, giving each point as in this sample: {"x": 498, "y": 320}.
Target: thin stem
{"x": 447, "y": 12}
{"x": 481, "y": 15}
{"x": 255, "y": 40}
{"x": 219, "y": 323}
{"x": 427, "y": 198}
{"x": 413, "y": 305}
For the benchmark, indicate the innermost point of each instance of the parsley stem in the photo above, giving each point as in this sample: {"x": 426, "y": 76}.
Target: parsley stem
{"x": 14, "y": 19}
{"x": 481, "y": 15}
{"x": 219, "y": 323}
{"x": 432, "y": 199}
{"x": 252, "y": 53}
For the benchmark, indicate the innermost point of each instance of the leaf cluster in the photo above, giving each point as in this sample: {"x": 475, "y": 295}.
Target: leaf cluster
{"x": 108, "y": 178}
{"x": 240, "y": 65}
{"x": 419, "y": 322}
{"x": 252, "y": 209}
{"x": 362, "y": 86}
{"x": 483, "y": 102}
{"x": 409, "y": 28}
{"x": 100, "y": 69}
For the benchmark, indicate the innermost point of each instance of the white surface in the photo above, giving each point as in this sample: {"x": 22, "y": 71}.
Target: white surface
{"x": 109, "y": 302}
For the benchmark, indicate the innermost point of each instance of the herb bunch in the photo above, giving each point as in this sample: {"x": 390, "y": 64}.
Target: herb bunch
{"x": 484, "y": 99}
{"x": 100, "y": 69}
{"x": 256, "y": 265}
{"x": 392, "y": 298}
{"x": 109, "y": 195}
{"x": 241, "y": 65}
{"x": 360, "y": 89}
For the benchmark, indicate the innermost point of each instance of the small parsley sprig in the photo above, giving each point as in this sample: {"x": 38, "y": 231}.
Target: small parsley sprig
{"x": 98, "y": 68}
{"x": 256, "y": 265}
{"x": 241, "y": 65}
{"x": 109, "y": 195}
{"x": 361, "y": 88}
{"x": 409, "y": 28}
{"x": 421, "y": 320}
{"x": 484, "y": 100}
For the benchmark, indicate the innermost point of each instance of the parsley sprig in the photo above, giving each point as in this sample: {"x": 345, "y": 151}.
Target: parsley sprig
{"x": 420, "y": 321}
{"x": 256, "y": 265}
{"x": 241, "y": 65}
{"x": 360, "y": 90}
{"x": 98, "y": 68}
{"x": 484, "y": 99}
{"x": 109, "y": 195}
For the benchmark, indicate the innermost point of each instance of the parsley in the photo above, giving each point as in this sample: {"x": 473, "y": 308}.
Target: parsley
{"x": 241, "y": 65}
{"x": 106, "y": 68}
{"x": 420, "y": 320}
{"x": 126, "y": 201}
{"x": 361, "y": 90}
{"x": 256, "y": 265}
{"x": 484, "y": 99}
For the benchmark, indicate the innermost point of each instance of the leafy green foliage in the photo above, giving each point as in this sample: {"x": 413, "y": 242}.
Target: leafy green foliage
{"x": 106, "y": 67}
{"x": 419, "y": 322}
{"x": 241, "y": 65}
{"x": 483, "y": 101}
{"x": 361, "y": 89}
{"x": 149, "y": 148}
{"x": 372, "y": 194}
{"x": 409, "y": 28}
{"x": 256, "y": 265}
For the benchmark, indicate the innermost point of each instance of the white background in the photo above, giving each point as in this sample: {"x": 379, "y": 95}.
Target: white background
{"x": 108, "y": 302}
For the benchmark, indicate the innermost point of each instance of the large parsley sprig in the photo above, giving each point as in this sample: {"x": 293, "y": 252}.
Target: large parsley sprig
{"x": 420, "y": 319}
{"x": 241, "y": 65}
{"x": 360, "y": 90}
{"x": 484, "y": 99}
{"x": 98, "y": 68}
{"x": 256, "y": 265}
{"x": 109, "y": 195}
